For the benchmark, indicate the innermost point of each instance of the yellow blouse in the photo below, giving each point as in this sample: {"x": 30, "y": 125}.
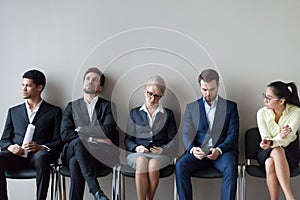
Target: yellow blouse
{"x": 269, "y": 129}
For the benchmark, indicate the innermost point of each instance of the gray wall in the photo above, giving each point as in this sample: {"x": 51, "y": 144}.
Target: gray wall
{"x": 250, "y": 43}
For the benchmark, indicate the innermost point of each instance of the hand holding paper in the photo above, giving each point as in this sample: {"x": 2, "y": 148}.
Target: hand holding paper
{"x": 28, "y": 138}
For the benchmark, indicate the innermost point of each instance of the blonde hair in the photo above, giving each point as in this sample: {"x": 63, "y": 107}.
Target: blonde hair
{"x": 157, "y": 81}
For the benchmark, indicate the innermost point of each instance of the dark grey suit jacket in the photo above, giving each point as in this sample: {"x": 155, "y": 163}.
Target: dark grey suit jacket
{"x": 76, "y": 114}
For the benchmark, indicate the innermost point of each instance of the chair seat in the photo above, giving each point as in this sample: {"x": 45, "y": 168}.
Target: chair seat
{"x": 64, "y": 170}
{"x": 130, "y": 172}
{"x": 26, "y": 173}
{"x": 295, "y": 172}
{"x": 256, "y": 171}
{"x": 207, "y": 173}
{"x": 259, "y": 171}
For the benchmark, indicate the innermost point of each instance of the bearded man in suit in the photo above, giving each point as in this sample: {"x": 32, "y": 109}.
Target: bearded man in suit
{"x": 210, "y": 135}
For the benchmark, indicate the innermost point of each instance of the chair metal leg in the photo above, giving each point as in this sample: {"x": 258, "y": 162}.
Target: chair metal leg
{"x": 55, "y": 184}
{"x": 118, "y": 184}
{"x": 59, "y": 185}
{"x": 52, "y": 183}
{"x": 122, "y": 187}
{"x": 243, "y": 195}
{"x": 175, "y": 188}
{"x": 238, "y": 191}
{"x": 113, "y": 187}
{"x": 64, "y": 187}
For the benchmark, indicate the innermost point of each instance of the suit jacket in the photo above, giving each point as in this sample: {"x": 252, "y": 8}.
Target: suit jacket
{"x": 76, "y": 114}
{"x": 225, "y": 127}
{"x": 47, "y": 127}
{"x": 163, "y": 131}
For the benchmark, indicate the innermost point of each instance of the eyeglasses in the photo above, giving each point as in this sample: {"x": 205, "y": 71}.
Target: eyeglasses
{"x": 151, "y": 94}
{"x": 268, "y": 99}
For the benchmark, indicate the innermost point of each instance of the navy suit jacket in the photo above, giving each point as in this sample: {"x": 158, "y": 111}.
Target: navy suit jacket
{"x": 102, "y": 126}
{"x": 163, "y": 131}
{"x": 225, "y": 129}
{"x": 47, "y": 127}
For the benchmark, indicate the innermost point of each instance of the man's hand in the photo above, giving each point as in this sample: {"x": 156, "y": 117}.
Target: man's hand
{"x": 33, "y": 146}
{"x": 198, "y": 153}
{"x": 214, "y": 155}
{"x": 16, "y": 149}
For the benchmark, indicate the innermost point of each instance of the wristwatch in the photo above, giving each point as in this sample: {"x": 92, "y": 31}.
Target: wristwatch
{"x": 78, "y": 129}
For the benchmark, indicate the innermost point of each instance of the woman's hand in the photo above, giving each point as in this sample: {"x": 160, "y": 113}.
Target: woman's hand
{"x": 156, "y": 150}
{"x": 265, "y": 144}
{"x": 285, "y": 131}
{"x": 141, "y": 149}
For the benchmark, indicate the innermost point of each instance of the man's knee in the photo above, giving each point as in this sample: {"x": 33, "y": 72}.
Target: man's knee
{"x": 43, "y": 159}
{"x": 181, "y": 167}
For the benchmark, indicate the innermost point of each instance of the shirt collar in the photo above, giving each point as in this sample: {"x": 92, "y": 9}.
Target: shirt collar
{"x": 94, "y": 100}
{"x": 214, "y": 103}
{"x": 158, "y": 109}
{"x": 287, "y": 109}
{"x": 36, "y": 107}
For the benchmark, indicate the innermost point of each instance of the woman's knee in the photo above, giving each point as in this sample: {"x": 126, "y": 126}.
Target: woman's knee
{"x": 277, "y": 152}
{"x": 153, "y": 165}
{"x": 269, "y": 166}
{"x": 141, "y": 163}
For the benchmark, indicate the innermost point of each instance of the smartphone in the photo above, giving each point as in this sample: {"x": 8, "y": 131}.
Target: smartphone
{"x": 151, "y": 144}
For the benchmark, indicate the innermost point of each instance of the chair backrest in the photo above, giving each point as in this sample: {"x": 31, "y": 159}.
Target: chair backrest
{"x": 252, "y": 140}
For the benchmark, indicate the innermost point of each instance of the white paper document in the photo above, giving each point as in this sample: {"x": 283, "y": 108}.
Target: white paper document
{"x": 28, "y": 137}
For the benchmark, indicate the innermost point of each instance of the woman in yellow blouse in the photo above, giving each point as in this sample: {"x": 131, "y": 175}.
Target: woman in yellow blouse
{"x": 278, "y": 123}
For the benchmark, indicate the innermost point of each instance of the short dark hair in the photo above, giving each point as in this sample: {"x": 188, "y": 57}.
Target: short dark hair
{"x": 37, "y": 77}
{"x": 97, "y": 71}
{"x": 208, "y": 75}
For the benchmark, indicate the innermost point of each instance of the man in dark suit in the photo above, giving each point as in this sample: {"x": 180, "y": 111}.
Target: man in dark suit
{"x": 43, "y": 119}
{"x": 210, "y": 136}
{"x": 89, "y": 129}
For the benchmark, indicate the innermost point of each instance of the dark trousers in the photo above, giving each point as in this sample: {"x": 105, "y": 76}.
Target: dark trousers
{"x": 83, "y": 167}
{"x": 39, "y": 160}
{"x": 227, "y": 164}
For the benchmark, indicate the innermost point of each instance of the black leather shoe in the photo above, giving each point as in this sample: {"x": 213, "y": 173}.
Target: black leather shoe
{"x": 100, "y": 196}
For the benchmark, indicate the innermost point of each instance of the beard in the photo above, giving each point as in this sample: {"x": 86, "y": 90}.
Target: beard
{"x": 208, "y": 99}
{"x": 90, "y": 91}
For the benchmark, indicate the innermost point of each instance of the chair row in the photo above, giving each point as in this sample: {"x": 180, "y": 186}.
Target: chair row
{"x": 250, "y": 167}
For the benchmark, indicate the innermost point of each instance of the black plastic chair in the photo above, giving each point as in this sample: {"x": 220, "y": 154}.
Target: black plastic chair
{"x": 252, "y": 140}
{"x": 30, "y": 173}
{"x": 127, "y": 171}
{"x": 64, "y": 172}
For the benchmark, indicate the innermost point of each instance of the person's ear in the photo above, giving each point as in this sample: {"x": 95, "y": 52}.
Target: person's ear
{"x": 40, "y": 88}
{"x": 282, "y": 101}
{"x": 100, "y": 89}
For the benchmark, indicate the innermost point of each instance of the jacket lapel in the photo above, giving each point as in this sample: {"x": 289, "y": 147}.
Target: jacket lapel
{"x": 203, "y": 124}
{"x": 42, "y": 110}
